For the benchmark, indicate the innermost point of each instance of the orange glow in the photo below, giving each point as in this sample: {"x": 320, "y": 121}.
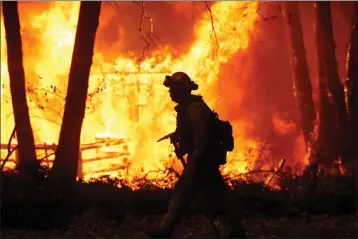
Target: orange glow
{"x": 128, "y": 109}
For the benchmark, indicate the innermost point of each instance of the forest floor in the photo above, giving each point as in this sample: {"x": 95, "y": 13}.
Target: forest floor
{"x": 100, "y": 209}
{"x": 89, "y": 226}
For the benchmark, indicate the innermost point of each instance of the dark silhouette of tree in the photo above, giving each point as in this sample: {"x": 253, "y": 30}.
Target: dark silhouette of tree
{"x": 330, "y": 85}
{"x": 66, "y": 161}
{"x": 352, "y": 76}
{"x": 25, "y": 138}
{"x": 300, "y": 72}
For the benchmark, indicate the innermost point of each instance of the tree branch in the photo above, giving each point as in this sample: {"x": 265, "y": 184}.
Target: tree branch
{"x": 149, "y": 38}
{"x": 208, "y": 8}
{"x": 9, "y": 151}
{"x": 44, "y": 118}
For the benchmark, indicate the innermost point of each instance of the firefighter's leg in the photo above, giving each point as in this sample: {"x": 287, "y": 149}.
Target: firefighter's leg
{"x": 221, "y": 195}
{"x": 183, "y": 193}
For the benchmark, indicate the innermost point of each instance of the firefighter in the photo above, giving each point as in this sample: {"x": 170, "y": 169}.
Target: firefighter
{"x": 201, "y": 173}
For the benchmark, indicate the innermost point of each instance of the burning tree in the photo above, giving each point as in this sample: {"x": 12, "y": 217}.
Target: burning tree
{"x": 352, "y": 77}
{"x": 332, "y": 109}
{"x": 26, "y": 148}
{"x": 300, "y": 72}
{"x": 66, "y": 161}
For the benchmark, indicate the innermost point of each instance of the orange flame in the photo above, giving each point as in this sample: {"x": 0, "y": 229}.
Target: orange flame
{"x": 128, "y": 109}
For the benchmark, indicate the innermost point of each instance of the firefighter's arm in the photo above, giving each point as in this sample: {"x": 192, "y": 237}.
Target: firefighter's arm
{"x": 198, "y": 119}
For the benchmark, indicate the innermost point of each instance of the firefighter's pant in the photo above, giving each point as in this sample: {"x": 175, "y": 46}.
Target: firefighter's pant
{"x": 189, "y": 185}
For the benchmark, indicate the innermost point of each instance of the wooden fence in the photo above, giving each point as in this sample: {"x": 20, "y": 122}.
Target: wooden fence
{"x": 48, "y": 151}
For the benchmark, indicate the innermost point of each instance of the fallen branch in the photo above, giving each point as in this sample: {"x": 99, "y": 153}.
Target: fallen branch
{"x": 9, "y": 150}
{"x": 46, "y": 156}
{"x": 261, "y": 152}
{"x": 279, "y": 168}
{"x": 227, "y": 178}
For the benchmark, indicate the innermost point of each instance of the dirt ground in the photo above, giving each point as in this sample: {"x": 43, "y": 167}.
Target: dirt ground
{"x": 197, "y": 226}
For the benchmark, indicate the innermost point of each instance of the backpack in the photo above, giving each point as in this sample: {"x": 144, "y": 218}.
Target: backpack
{"x": 223, "y": 140}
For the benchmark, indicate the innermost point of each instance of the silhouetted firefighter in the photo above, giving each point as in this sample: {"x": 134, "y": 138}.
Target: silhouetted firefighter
{"x": 206, "y": 140}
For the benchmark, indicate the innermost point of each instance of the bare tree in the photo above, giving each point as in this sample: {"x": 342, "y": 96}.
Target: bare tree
{"x": 329, "y": 73}
{"x": 66, "y": 161}
{"x": 327, "y": 130}
{"x": 26, "y": 146}
{"x": 352, "y": 80}
{"x": 300, "y": 72}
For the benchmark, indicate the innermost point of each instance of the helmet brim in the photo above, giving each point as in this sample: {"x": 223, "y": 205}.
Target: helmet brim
{"x": 167, "y": 81}
{"x": 171, "y": 82}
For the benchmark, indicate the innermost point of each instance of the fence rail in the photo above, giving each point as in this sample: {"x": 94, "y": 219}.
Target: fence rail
{"x": 45, "y": 148}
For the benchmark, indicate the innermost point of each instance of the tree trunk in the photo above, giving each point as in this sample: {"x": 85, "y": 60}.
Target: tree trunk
{"x": 352, "y": 81}
{"x": 66, "y": 161}
{"x": 335, "y": 89}
{"x": 328, "y": 130}
{"x": 25, "y": 138}
{"x": 300, "y": 72}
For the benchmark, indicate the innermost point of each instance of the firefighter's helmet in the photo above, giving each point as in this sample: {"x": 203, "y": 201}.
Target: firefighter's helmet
{"x": 180, "y": 80}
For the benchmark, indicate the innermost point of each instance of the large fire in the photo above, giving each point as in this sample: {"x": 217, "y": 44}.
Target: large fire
{"x": 128, "y": 109}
